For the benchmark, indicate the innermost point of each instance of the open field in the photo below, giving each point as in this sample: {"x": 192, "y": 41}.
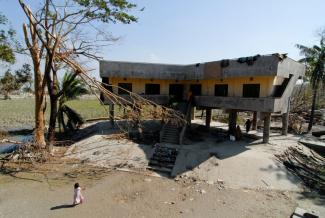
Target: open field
{"x": 19, "y": 113}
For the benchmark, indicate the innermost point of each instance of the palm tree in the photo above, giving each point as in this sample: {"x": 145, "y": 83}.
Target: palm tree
{"x": 71, "y": 88}
{"x": 315, "y": 63}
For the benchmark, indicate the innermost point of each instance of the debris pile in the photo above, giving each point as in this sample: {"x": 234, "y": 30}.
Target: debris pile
{"x": 23, "y": 154}
{"x": 307, "y": 165}
{"x": 163, "y": 159}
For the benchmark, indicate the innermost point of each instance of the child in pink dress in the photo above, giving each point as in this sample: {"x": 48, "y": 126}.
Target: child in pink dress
{"x": 77, "y": 198}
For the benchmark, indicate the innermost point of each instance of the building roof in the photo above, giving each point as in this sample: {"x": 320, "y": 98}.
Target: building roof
{"x": 258, "y": 65}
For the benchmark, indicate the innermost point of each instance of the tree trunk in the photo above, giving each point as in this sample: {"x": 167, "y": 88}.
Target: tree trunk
{"x": 39, "y": 108}
{"x": 313, "y": 107}
{"x": 36, "y": 53}
{"x": 52, "y": 85}
{"x": 6, "y": 96}
{"x": 52, "y": 123}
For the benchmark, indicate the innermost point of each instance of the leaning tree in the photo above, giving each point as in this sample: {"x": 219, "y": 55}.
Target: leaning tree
{"x": 69, "y": 28}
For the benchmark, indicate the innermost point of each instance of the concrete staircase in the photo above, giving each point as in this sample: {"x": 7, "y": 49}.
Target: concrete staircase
{"x": 173, "y": 134}
{"x": 163, "y": 159}
{"x": 170, "y": 134}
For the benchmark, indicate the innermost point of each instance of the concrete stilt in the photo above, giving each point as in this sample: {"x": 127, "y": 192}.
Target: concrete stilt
{"x": 285, "y": 122}
{"x": 254, "y": 123}
{"x": 232, "y": 122}
{"x": 111, "y": 114}
{"x": 193, "y": 113}
{"x": 266, "y": 129}
{"x": 208, "y": 117}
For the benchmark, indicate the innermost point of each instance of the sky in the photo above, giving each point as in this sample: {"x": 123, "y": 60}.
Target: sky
{"x": 193, "y": 31}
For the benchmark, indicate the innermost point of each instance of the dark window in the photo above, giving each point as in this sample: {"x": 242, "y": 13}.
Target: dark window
{"x": 152, "y": 89}
{"x": 177, "y": 91}
{"x": 196, "y": 89}
{"x": 105, "y": 83}
{"x": 251, "y": 90}
{"x": 124, "y": 86}
{"x": 221, "y": 90}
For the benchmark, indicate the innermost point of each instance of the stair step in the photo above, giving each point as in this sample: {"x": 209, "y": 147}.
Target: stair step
{"x": 166, "y": 159}
{"x": 171, "y": 135}
{"x": 160, "y": 169}
{"x": 170, "y": 139}
{"x": 162, "y": 164}
{"x": 171, "y": 130}
{"x": 171, "y": 142}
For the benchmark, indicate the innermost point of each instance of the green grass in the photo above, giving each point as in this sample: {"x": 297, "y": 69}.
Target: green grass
{"x": 19, "y": 113}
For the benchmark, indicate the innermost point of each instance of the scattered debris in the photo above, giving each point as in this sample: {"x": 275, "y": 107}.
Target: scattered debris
{"x": 265, "y": 182}
{"x": 301, "y": 213}
{"x": 172, "y": 202}
{"x": 96, "y": 153}
{"x": 307, "y": 165}
{"x": 201, "y": 191}
{"x": 220, "y": 181}
{"x": 210, "y": 182}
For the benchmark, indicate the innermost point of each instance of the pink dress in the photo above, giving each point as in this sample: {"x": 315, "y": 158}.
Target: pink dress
{"x": 78, "y": 198}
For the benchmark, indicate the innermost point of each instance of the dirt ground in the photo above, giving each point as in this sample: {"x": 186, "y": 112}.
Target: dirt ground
{"x": 241, "y": 179}
{"x": 124, "y": 194}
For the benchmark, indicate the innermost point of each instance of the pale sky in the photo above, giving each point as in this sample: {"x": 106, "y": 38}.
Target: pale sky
{"x": 192, "y": 31}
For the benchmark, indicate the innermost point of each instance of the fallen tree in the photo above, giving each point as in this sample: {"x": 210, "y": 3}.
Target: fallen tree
{"x": 307, "y": 165}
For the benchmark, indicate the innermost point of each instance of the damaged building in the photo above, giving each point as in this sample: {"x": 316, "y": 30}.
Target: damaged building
{"x": 261, "y": 84}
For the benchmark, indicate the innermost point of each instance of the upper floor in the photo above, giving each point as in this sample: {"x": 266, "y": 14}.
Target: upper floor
{"x": 265, "y": 81}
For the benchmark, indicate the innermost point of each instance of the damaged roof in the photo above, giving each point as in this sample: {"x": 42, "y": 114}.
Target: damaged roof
{"x": 258, "y": 65}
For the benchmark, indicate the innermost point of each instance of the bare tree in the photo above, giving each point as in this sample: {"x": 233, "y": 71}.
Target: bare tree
{"x": 59, "y": 27}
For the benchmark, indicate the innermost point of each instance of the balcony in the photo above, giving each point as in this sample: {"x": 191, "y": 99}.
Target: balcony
{"x": 267, "y": 104}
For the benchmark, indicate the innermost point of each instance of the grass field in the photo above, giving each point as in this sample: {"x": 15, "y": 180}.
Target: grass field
{"x": 19, "y": 113}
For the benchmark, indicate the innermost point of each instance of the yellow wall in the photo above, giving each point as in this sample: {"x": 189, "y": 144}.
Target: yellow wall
{"x": 235, "y": 85}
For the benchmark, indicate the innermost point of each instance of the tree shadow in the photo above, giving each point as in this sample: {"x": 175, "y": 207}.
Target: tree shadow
{"x": 63, "y": 206}
{"x": 14, "y": 173}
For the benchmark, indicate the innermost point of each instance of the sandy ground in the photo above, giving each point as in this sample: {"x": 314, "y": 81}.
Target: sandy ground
{"x": 122, "y": 194}
{"x": 213, "y": 179}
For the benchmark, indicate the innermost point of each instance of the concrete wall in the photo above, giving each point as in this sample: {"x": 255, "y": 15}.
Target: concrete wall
{"x": 267, "y": 65}
{"x": 235, "y": 85}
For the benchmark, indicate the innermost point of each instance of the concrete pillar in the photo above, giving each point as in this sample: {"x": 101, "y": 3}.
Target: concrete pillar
{"x": 285, "y": 119}
{"x": 193, "y": 113}
{"x": 208, "y": 117}
{"x": 111, "y": 114}
{"x": 267, "y": 125}
{"x": 232, "y": 122}
{"x": 254, "y": 123}
{"x": 285, "y": 122}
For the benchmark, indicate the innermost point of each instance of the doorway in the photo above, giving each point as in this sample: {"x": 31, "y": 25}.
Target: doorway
{"x": 196, "y": 89}
{"x": 177, "y": 91}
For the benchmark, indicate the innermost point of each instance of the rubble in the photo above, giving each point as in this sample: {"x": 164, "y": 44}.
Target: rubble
{"x": 307, "y": 165}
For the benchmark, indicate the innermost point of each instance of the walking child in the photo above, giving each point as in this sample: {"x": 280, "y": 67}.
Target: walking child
{"x": 77, "y": 198}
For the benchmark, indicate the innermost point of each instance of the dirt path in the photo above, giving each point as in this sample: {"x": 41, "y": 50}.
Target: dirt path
{"x": 122, "y": 194}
